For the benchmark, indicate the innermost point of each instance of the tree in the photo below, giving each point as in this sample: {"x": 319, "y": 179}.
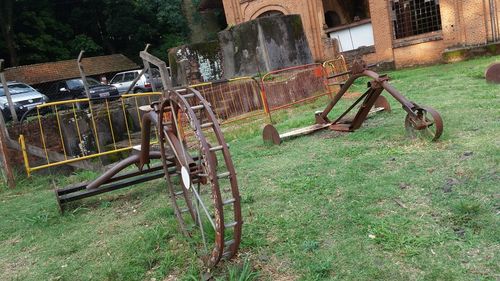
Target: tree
{"x": 45, "y": 30}
{"x": 6, "y": 27}
{"x": 33, "y": 32}
{"x": 84, "y": 42}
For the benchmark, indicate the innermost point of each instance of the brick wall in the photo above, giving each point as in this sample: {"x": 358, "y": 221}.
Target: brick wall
{"x": 474, "y": 27}
{"x": 464, "y": 23}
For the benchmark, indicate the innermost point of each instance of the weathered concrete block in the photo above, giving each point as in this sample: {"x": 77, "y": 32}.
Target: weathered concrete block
{"x": 75, "y": 128}
{"x": 260, "y": 45}
{"x": 263, "y": 45}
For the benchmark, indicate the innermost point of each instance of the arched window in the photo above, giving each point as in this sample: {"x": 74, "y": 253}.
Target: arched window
{"x": 271, "y": 13}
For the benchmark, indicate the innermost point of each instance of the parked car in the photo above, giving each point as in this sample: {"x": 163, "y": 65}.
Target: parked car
{"x": 123, "y": 80}
{"x": 74, "y": 89}
{"x": 23, "y": 96}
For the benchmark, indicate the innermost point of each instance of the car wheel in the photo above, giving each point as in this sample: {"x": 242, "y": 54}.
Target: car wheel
{"x": 138, "y": 90}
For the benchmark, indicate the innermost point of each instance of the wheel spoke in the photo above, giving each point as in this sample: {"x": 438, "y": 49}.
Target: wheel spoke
{"x": 203, "y": 207}
{"x": 200, "y": 223}
{"x": 204, "y": 197}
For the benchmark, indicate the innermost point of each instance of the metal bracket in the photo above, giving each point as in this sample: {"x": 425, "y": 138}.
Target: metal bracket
{"x": 162, "y": 66}
{"x": 82, "y": 73}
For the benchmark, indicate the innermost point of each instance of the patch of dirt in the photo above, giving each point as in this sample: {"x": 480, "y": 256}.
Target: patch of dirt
{"x": 171, "y": 277}
{"x": 329, "y": 134}
{"x": 12, "y": 241}
{"x": 352, "y": 95}
{"x": 476, "y": 261}
{"x": 466, "y": 155}
{"x": 11, "y": 269}
{"x": 448, "y": 186}
{"x": 404, "y": 185}
{"x": 274, "y": 268}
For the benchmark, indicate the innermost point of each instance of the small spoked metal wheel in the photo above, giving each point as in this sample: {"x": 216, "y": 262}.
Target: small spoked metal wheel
{"x": 204, "y": 191}
{"x": 426, "y": 124}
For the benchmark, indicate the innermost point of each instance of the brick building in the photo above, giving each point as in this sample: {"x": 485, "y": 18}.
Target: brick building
{"x": 404, "y": 32}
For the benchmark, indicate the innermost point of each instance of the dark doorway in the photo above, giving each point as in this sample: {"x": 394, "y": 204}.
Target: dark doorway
{"x": 341, "y": 12}
{"x": 271, "y": 13}
{"x": 332, "y": 19}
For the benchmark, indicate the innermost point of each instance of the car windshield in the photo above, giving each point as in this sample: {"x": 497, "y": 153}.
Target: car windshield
{"x": 78, "y": 83}
{"x": 15, "y": 89}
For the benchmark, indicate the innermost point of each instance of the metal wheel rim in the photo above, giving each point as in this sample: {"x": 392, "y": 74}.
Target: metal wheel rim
{"x": 195, "y": 197}
{"x": 432, "y": 132}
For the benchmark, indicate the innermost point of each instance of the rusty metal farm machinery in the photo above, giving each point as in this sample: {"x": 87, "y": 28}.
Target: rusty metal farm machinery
{"x": 195, "y": 164}
{"x": 421, "y": 121}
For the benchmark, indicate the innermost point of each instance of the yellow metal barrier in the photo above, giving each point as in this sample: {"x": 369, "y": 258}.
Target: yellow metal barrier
{"x": 231, "y": 100}
{"x": 54, "y": 118}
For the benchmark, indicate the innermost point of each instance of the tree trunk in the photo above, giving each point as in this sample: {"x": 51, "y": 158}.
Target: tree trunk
{"x": 6, "y": 28}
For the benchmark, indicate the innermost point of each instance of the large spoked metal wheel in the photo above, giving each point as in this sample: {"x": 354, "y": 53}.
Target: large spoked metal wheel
{"x": 204, "y": 191}
{"x": 427, "y": 124}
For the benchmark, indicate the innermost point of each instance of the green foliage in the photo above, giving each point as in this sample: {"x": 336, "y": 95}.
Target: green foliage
{"x": 241, "y": 273}
{"x": 83, "y": 42}
{"x": 56, "y": 30}
{"x": 38, "y": 35}
{"x": 468, "y": 213}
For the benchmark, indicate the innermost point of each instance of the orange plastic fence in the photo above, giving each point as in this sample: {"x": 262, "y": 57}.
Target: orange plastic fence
{"x": 286, "y": 87}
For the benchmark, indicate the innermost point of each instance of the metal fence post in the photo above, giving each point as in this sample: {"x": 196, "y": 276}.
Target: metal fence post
{"x": 263, "y": 96}
{"x": 82, "y": 73}
{"x": 4, "y": 154}
{"x": 7, "y": 93}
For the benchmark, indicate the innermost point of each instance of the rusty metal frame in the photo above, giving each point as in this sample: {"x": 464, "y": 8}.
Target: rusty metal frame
{"x": 416, "y": 120}
{"x": 201, "y": 176}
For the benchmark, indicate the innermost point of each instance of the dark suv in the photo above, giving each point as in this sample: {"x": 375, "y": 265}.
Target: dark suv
{"x": 74, "y": 89}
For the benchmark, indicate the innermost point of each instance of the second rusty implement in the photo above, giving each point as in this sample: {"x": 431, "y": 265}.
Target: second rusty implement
{"x": 420, "y": 121}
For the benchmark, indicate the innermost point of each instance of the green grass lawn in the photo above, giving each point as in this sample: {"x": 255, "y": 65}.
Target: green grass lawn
{"x": 369, "y": 205}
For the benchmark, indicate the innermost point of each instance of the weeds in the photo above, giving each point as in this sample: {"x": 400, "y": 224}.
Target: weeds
{"x": 242, "y": 273}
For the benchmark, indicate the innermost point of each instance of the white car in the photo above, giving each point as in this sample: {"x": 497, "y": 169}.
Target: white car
{"x": 123, "y": 80}
{"x": 23, "y": 96}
